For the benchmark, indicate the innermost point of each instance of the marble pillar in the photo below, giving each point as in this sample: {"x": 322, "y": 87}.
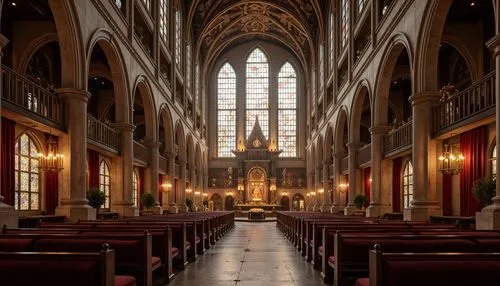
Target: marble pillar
{"x": 354, "y": 176}
{"x": 74, "y": 204}
{"x": 326, "y": 205}
{"x": 153, "y": 172}
{"x": 8, "y": 215}
{"x": 424, "y": 203}
{"x": 377, "y": 206}
{"x": 181, "y": 188}
{"x": 172, "y": 206}
{"x": 337, "y": 204}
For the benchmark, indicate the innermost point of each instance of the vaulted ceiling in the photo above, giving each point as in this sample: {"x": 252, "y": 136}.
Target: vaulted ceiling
{"x": 219, "y": 24}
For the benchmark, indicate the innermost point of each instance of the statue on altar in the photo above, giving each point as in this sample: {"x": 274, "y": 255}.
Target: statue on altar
{"x": 257, "y": 194}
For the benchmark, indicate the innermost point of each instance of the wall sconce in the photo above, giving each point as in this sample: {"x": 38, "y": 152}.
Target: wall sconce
{"x": 229, "y": 193}
{"x": 205, "y": 195}
{"x": 313, "y": 194}
{"x": 189, "y": 190}
{"x": 343, "y": 187}
{"x": 241, "y": 187}
{"x": 272, "y": 188}
{"x": 284, "y": 194}
{"x": 166, "y": 187}
{"x": 321, "y": 191}
{"x": 197, "y": 193}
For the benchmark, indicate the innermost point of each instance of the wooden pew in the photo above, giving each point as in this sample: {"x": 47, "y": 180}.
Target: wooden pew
{"x": 61, "y": 268}
{"x": 432, "y": 269}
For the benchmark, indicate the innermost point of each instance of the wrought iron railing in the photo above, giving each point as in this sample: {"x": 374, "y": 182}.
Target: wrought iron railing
{"x": 22, "y": 92}
{"x": 479, "y": 97}
{"x": 398, "y": 138}
{"x": 102, "y": 133}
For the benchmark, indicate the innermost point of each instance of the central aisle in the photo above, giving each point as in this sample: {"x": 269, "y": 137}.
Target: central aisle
{"x": 250, "y": 254}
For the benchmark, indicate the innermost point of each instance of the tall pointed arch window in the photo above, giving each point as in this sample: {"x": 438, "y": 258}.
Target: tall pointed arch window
{"x": 164, "y": 10}
{"x": 331, "y": 42}
{"x": 226, "y": 111}
{"x": 27, "y": 176}
{"x": 257, "y": 91}
{"x": 135, "y": 186}
{"x": 188, "y": 66}
{"x": 407, "y": 184}
{"x": 105, "y": 182}
{"x": 287, "y": 111}
{"x": 494, "y": 162}
{"x": 344, "y": 25}
{"x": 178, "y": 37}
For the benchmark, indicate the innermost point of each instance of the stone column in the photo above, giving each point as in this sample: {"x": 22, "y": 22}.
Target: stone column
{"x": 337, "y": 205}
{"x": 172, "y": 207}
{"x": 8, "y": 215}
{"x": 424, "y": 203}
{"x": 354, "y": 176}
{"x": 326, "y": 205}
{"x": 74, "y": 204}
{"x": 122, "y": 202}
{"x": 153, "y": 171}
{"x": 181, "y": 188}
{"x": 317, "y": 185}
{"x": 489, "y": 217}
{"x": 310, "y": 186}
{"x": 377, "y": 206}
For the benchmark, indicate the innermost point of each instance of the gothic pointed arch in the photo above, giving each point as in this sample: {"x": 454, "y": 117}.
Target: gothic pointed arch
{"x": 143, "y": 111}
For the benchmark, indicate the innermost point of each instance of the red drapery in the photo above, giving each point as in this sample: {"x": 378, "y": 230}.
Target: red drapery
{"x": 447, "y": 206}
{"x": 396, "y": 185}
{"x": 8, "y": 159}
{"x": 93, "y": 165}
{"x": 160, "y": 193}
{"x": 473, "y": 149}
{"x": 368, "y": 185}
{"x": 140, "y": 172}
{"x": 51, "y": 185}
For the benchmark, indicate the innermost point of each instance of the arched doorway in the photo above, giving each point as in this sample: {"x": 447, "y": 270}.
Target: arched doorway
{"x": 217, "y": 201}
{"x": 298, "y": 202}
{"x": 229, "y": 203}
{"x": 285, "y": 203}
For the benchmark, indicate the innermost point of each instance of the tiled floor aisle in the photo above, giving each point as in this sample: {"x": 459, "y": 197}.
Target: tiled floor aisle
{"x": 250, "y": 254}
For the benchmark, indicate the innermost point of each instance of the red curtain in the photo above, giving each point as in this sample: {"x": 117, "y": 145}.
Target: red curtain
{"x": 51, "y": 185}
{"x": 368, "y": 185}
{"x": 93, "y": 165}
{"x": 160, "y": 193}
{"x": 396, "y": 185}
{"x": 141, "y": 186}
{"x": 472, "y": 147}
{"x": 8, "y": 159}
{"x": 447, "y": 206}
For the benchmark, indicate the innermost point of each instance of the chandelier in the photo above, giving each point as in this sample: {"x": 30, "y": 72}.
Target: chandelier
{"x": 52, "y": 161}
{"x": 451, "y": 161}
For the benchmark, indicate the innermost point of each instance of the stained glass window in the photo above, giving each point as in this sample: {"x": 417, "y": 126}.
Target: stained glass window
{"x": 226, "y": 111}
{"x": 178, "y": 37}
{"x": 135, "y": 191}
{"x": 321, "y": 67}
{"x": 188, "y": 66}
{"x": 164, "y": 20}
{"x": 147, "y": 3}
{"x": 344, "y": 16}
{"x": 361, "y": 5}
{"x": 331, "y": 42}
{"x": 197, "y": 85}
{"x": 494, "y": 162}
{"x": 26, "y": 175}
{"x": 105, "y": 182}
{"x": 118, "y": 3}
{"x": 287, "y": 111}
{"x": 257, "y": 90}
{"x": 407, "y": 185}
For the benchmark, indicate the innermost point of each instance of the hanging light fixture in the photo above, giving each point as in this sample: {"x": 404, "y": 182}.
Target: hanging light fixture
{"x": 451, "y": 161}
{"x": 52, "y": 161}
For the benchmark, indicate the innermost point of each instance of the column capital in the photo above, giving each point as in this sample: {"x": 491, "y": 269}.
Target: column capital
{"x": 494, "y": 45}
{"x": 73, "y": 93}
{"x": 123, "y": 127}
{"x": 354, "y": 146}
{"x": 424, "y": 97}
{"x": 380, "y": 129}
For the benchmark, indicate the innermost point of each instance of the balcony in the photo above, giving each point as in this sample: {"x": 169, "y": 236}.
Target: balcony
{"x": 344, "y": 164}
{"x": 364, "y": 154}
{"x": 102, "y": 134}
{"x": 398, "y": 139}
{"x": 140, "y": 152}
{"x": 472, "y": 104}
{"x": 32, "y": 100}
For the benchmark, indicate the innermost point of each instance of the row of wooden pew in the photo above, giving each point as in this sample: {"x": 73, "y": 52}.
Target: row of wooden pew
{"x": 369, "y": 251}
{"x": 146, "y": 250}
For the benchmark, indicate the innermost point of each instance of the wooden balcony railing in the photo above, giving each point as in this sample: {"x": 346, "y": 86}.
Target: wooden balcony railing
{"x": 26, "y": 94}
{"x": 398, "y": 138}
{"x": 344, "y": 164}
{"x": 140, "y": 152}
{"x": 479, "y": 97}
{"x": 102, "y": 133}
{"x": 162, "y": 163}
{"x": 365, "y": 154}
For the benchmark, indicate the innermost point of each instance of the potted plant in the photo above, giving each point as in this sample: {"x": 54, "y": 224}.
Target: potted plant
{"x": 96, "y": 198}
{"x": 360, "y": 201}
{"x": 189, "y": 204}
{"x": 484, "y": 190}
{"x": 148, "y": 201}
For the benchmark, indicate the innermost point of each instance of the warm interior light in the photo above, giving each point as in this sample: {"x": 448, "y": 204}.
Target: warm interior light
{"x": 197, "y": 193}
{"x": 188, "y": 190}
{"x": 321, "y": 191}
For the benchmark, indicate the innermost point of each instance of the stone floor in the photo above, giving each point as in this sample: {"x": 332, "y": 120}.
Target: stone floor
{"x": 250, "y": 254}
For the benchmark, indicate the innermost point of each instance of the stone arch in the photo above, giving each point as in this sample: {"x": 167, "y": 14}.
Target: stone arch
{"x": 462, "y": 50}
{"x": 318, "y": 157}
{"x": 143, "y": 87}
{"x": 328, "y": 150}
{"x": 70, "y": 36}
{"x": 31, "y": 49}
{"x": 107, "y": 43}
{"x": 168, "y": 138}
{"x": 341, "y": 123}
{"x": 362, "y": 93}
{"x": 264, "y": 51}
{"x": 397, "y": 45}
{"x": 190, "y": 153}
{"x": 180, "y": 140}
